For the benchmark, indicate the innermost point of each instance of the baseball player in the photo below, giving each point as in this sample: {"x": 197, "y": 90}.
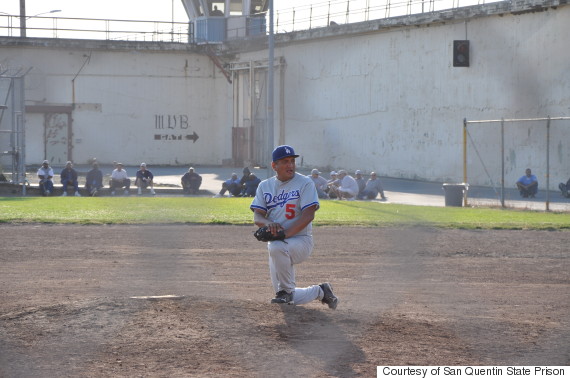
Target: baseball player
{"x": 285, "y": 204}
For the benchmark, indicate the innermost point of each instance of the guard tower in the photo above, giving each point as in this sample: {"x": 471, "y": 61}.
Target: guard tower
{"x": 217, "y": 21}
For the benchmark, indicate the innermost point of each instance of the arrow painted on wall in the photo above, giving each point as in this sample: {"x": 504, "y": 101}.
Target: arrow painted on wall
{"x": 194, "y": 137}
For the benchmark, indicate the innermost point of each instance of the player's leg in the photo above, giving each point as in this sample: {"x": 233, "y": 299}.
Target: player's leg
{"x": 322, "y": 292}
{"x": 281, "y": 266}
{"x": 282, "y": 257}
{"x": 303, "y": 295}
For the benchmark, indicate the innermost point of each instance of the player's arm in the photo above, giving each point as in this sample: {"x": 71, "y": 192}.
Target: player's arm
{"x": 260, "y": 219}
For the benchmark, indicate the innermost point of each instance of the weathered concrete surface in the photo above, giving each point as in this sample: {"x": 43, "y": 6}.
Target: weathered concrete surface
{"x": 381, "y": 95}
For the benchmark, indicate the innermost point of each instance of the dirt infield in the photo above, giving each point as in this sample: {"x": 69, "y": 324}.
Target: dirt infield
{"x": 408, "y": 297}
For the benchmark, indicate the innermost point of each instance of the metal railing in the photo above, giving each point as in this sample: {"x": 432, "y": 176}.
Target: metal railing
{"x": 334, "y": 12}
{"x": 98, "y": 29}
{"x": 305, "y": 17}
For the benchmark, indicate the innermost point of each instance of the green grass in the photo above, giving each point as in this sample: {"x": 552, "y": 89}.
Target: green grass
{"x": 201, "y": 210}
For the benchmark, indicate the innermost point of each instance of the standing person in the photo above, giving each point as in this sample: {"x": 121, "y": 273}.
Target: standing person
{"x": 287, "y": 202}
{"x": 372, "y": 188}
{"x": 119, "y": 179}
{"x": 144, "y": 179}
{"x": 191, "y": 182}
{"x": 45, "y": 174}
{"x": 94, "y": 180}
{"x": 320, "y": 183}
{"x": 345, "y": 187}
{"x": 528, "y": 184}
{"x": 69, "y": 177}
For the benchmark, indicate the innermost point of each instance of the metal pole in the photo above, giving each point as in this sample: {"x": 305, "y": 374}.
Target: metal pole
{"x": 23, "y": 136}
{"x": 465, "y": 160}
{"x": 548, "y": 163}
{"x": 502, "y": 162}
{"x": 270, "y": 89}
{"x": 23, "y": 18}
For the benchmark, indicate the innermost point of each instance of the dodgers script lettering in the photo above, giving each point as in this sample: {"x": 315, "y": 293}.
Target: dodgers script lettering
{"x": 280, "y": 199}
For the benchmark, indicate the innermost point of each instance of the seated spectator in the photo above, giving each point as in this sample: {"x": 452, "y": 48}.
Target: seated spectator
{"x": 330, "y": 183}
{"x": 45, "y": 174}
{"x": 191, "y": 182}
{"x": 565, "y": 188}
{"x": 361, "y": 181}
{"x": 144, "y": 179}
{"x": 232, "y": 185}
{"x": 345, "y": 187}
{"x": 245, "y": 176}
{"x": 528, "y": 184}
{"x": 250, "y": 186}
{"x": 119, "y": 179}
{"x": 372, "y": 188}
{"x": 320, "y": 183}
{"x": 94, "y": 180}
{"x": 69, "y": 177}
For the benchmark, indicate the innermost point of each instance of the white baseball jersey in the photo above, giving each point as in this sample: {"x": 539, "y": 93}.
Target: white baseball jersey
{"x": 283, "y": 201}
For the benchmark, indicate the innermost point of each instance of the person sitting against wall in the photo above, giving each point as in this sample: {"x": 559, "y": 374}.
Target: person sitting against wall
{"x": 94, "y": 180}
{"x": 372, "y": 188}
{"x": 69, "y": 177}
{"x": 191, "y": 182}
{"x": 330, "y": 184}
{"x": 346, "y": 187}
{"x": 320, "y": 183}
{"x": 232, "y": 185}
{"x": 360, "y": 180}
{"x": 119, "y": 179}
{"x": 565, "y": 188}
{"x": 250, "y": 186}
{"x": 45, "y": 174}
{"x": 144, "y": 179}
{"x": 528, "y": 184}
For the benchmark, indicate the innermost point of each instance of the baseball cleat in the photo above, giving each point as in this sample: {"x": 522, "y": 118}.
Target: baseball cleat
{"x": 283, "y": 297}
{"x": 329, "y": 298}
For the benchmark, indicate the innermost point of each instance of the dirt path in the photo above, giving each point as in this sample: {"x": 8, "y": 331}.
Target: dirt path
{"x": 408, "y": 297}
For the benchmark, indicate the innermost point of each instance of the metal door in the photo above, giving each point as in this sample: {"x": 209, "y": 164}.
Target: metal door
{"x": 57, "y": 138}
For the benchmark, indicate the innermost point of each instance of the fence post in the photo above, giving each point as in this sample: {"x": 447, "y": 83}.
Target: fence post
{"x": 465, "y": 159}
{"x": 502, "y": 162}
{"x": 548, "y": 163}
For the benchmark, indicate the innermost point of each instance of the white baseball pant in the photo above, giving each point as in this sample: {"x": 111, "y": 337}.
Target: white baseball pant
{"x": 283, "y": 256}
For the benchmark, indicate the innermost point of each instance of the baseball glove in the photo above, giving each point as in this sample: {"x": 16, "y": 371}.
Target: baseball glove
{"x": 264, "y": 234}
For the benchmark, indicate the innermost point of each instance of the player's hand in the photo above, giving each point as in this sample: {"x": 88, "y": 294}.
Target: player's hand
{"x": 274, "y": 227}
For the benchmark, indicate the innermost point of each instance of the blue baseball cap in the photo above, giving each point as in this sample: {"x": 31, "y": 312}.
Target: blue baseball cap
{"x": 284, "y": 151}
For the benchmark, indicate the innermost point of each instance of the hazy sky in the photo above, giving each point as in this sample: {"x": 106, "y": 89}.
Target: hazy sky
{"x": 156, "y": 10}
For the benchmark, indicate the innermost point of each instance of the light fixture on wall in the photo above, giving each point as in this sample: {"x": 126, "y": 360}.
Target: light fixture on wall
{"x": 461, "y": 53}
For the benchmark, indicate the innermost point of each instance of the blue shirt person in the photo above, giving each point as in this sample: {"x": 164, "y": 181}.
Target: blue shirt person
{"x": 94, "y": 180}
{"x": 69, "y": 177}
{"x": 232, "y": 185}
{"x": 528, "y": 184}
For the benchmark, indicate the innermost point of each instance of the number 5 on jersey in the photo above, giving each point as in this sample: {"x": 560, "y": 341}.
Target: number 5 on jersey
{"x": 290, "y": 211}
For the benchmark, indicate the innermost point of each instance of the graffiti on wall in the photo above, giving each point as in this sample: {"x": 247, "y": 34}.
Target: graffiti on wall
{"x": 173, "y": 127}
